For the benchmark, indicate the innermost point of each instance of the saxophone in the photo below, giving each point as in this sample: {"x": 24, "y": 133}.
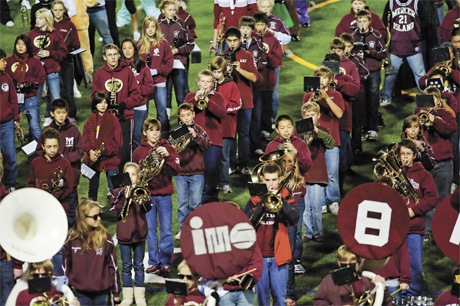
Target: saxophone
{"x": 308, "y": 136}
{"x": 57, "y": 181}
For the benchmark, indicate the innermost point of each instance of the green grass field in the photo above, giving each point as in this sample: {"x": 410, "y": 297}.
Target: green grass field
{"x": 319, "y": 259}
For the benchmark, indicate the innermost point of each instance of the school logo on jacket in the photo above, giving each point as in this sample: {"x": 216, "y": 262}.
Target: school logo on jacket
{"x": 5, "y": 87}
{"x": 113, "y": 85}
{"x": 156, "y": 52}
{"x": 15, "y": 66}
{"x": 100, "y": 251}
{"x": 42, "y": 41}
{"x": 69, "y": 142}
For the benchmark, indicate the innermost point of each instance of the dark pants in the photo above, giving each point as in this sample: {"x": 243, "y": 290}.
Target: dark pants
{"x": 212, "y": 157}
{"x": 5, "y": 12}
{"x": 67, "y": 76}
{"x": 125, "y": 150}
{"x": 358, "y": 121}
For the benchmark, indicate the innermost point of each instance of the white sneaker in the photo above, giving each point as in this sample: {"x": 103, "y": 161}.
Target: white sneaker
{"x": 231, "y": 170}
{"x": 26, "y": 3}
{"x": 177, "y": 237}
{"x": 136, "y": 36}
{"x": 288, "y": 53}
{"x": 372, "y": 135}
{"x": 10, "y": 23}
{"x": 265, "y": 134}
{"x": 385, "y": 102}
{"x": 168, "y": 112}
{"x": 246, "y": 171}
{"x": 299, "y": 269}
{"x": 76, "y": 92}
{"x": 334, "y": 208}
{"x": 258, "y": 152}
{"x": 47, "y": 121}
{"x": 324, "y": 209}
{"x": 227, "y": 189}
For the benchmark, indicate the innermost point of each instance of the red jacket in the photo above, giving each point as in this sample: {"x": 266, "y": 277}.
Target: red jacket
{"x": 42, "y": 173}
{"x": 25, "y": 298}
{"x": 144, "y": 80}
{"x": 241, "y": 8}
{"x": 35, "y": 74}
{"x": 423, "y": 183}
{"x": 134, "y": 229}
{"x": 447, "y": 24}
{"x": 232, "y": 99}
{"x": 178, "y": 36}
{"x": 8, "y": 100}
{"x": 94, "y": 270}
{"x": 54, "y": 44}
{"x": 328, "y": 119}
{"x": 70, "y": 146}
{"x": 68, "y": 32}
{"x": 160, "y": 57}
{"x": 254, "y": 263}
{"x": 274, "y": 58}
{"x": 303, "y": 152}
{"x": 4, "y": 256}
{"x": 187, "y": 18}
{"x": 398, "y": 266}
{"x": 192, "y": 159}
{"x": 211, "y": 117}
{"x": 162, "y": 183}
{"x": 376, "y": 43}
{"x": 128, "y": 91}
{"x": 244, "y": 85}
{"x": 110, "y": 134}
{"x": 318, "y": 171}
{"x": 348, "y": 24}
{"x": 194, "y": 297}
{"x": 447, "y": 299}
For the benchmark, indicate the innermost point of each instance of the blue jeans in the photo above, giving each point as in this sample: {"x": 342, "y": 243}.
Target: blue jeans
{"x": 93, "y": 299}
{"x": 57, "y": 263}
{"x": 273, "y": 282}
{"x": 227, "y": 144}
{"x": 160, "y": 252}
{"x": 212, "y": 157}
{"x": 124, "y": 17}
{"x": 313, "y": 216}
{"x": 54, "y": 90}
{"x": 372, "y": 89}
{"x": 139, "y": 117}
{"x": 415, "y": 246}
{"x": 275, "y": 93}
{"x": 31, "y": 108}
{"x": 94, "y": 183}
{"x": 189, "y": 189}
{"x": 415, "y": 62}
{"x": 8, "y": 149}
{"x": 159, "y": 95}
{"x": 239, "y": 298}
{"x": 178, "y": 78}
{"x": 442, "y": 174}
{"x": 332, "y": 164}
{"x": 242, "y": 128}
{"x": 130, "y": 260}
{"x": 7, "y": 281}
{"x": 100, "y": 21}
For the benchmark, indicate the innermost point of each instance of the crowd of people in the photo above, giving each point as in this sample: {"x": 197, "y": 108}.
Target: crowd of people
{"x": 229, "y": 120}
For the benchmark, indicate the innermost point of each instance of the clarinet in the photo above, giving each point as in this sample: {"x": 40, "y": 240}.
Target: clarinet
{"x": 43, "y": 44}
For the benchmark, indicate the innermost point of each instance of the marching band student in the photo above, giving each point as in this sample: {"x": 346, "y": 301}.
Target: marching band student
{"x": 116, "y": 78}
{"x": 450, "y": 297}
{"x": 131, "y": 235}
{"x": 190, "y": 179}
{"x": 89, "y": 258}
{"x": 194, "y": 296}
{"x": 71, "y": 149}
{"x": 330, "y": 294}
{"x": 209, "y": 117}
{"x": 156, "y": 52}
{"x": 142, "y": 75}
{"x": 50, "y": 49}
{"x": 332, "y": 108}
{"x": 161, "y": 189}
{"x": 182, "y": 43}
{"x": 102, "y": 138}
{"x": 319, "y": 140}
{"x": 50, "y": 171}
{"x": 69, "y": 34}
{"x": 272, "y": 238}
{"x": 438, "y": 131}
{"x": 27, "y": 84}
{"x": 229, "y": 91}
{"x": 413, "y": 130}
{"x": 424, "y": 186}
{"x": 244, "y": 73}
{"x": 9, "y": 117}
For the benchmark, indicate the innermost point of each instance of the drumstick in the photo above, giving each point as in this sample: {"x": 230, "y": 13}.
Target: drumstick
{"x": 394, "y": 292}
{"x": 247, "y": 272}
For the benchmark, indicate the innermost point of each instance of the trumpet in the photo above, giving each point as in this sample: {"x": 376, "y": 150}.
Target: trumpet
{"x": 221, "y": 27}
{"x": 98, "y": 153}
{"x": 425, "y": 119}
{"x": 24, "y": 18}
{"x": 444, "y": 67}
{"x": 137, "y": 194}
{"x": 333, "y": 85}
{"x": 201, "y": 102}
{"x": 316, "y": 96}
{"x": 20, "y": 133}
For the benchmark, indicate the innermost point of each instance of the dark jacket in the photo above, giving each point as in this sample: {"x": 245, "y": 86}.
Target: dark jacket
{"x": 8, "y": 99}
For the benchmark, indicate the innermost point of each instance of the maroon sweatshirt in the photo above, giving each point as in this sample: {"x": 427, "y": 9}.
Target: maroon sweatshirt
{"x": 398, "y": 266}
{"x": 160, "y": 57}
{"x": 348, "y": 24}
{"x": 17, "y": 264}
{"x": 109, "y": 133}
{"x": 233, "y": 15}
{"x": 128, "y": 91}
{"x": 8, "y": 100}
{"x": 447, "y": 24}
{"x": 232, "y": 99}
{"x": 134, "y": 229}
{"x": 3, "y": 191}
{"x": 70, "y": 146}
{"x": 35, "y": 73}
{"x": 211, "y": 117}
{"x": 92, "y": 271}
{"x": 54, "y": 44}
{"x": 423, "y": 183}
{"x": 274, "y": 58}
{"x": 360, "y": 65}
{"x": 187, "y": 18}
{"x": 303, "y": 152}
{"x": 161, "y": 184}
{"x": 447, "y": 299}
{"x": 348, "y": 85}
{"x": 42, "y": 172}
{"x": 328, "y": 119}
{"x": 178, "y": 36}
{"x": 194, "y": 297}
{"x": 376, "y": 43}
{"x": 191, "y": 159}
{"x": 318, "y": 171}
{"x": 68, "y": 32}
{"x": 25, "y": 298}
{"x": 144, "y": 80}
{"x": 254, "y": 263}
{"x": 453, "y": 77}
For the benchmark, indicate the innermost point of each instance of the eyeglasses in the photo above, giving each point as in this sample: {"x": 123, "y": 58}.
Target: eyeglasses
{"x": 95, "y": 217}
{"x": 39, "y": 275}
{"x": 189, "y": 277}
